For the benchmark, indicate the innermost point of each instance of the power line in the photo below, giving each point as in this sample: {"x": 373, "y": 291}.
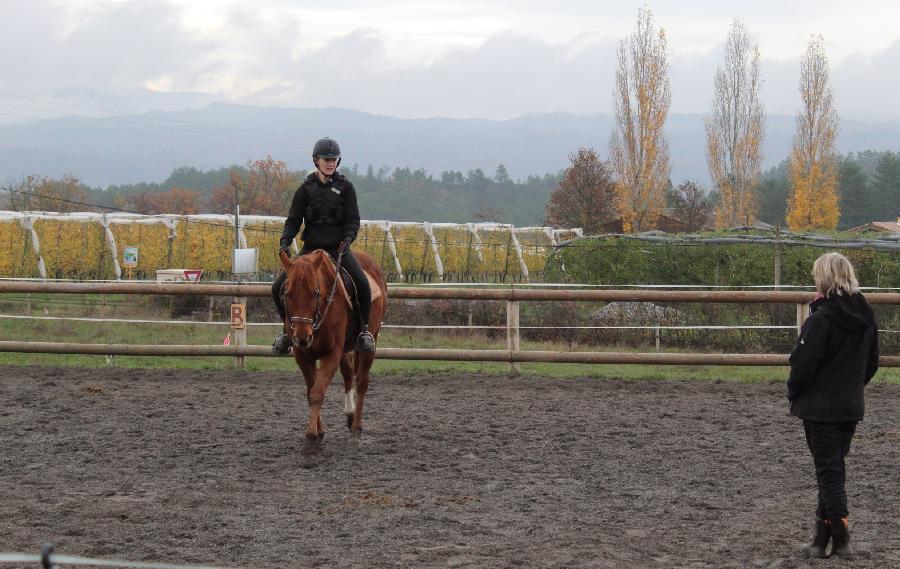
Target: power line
{"x": 120, "y": 210}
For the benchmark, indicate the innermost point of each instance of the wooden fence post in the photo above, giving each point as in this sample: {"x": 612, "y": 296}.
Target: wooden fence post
{"x": 512, "y": 331}
{"x": 802, "y": 315}
{"x": 239, "y": 327}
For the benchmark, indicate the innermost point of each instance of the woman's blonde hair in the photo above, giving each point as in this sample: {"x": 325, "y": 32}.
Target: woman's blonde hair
{"x": 834, "y": 274}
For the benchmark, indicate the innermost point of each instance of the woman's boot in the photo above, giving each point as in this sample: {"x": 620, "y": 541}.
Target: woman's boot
{"x": 840, "y": 539}
{"x": 816, "y": 549}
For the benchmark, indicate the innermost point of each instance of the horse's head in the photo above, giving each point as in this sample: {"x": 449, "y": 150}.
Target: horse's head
{"x": 302, "y": 295}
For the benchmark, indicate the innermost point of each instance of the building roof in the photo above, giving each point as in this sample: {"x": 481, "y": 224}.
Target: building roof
{"x": 889, "y": 226}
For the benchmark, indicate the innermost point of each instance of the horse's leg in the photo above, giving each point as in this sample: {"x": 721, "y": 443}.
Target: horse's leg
{"x": 328, "y": 366}
{"x": 363, "y": 364}
{"x": 308, "y": 369}
{"x": 349, "y": 389}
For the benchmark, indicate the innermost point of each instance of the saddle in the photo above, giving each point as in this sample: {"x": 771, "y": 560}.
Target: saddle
{"x": 348, "y": 287}
{"x": 349, "y": 294}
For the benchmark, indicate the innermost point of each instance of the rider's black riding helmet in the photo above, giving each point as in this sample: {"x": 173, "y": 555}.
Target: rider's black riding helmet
{"x": 326, "y": 148}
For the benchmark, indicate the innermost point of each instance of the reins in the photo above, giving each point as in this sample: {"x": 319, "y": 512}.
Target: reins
{"x": 320, "y": 316}
{"x": 337, "y": 276}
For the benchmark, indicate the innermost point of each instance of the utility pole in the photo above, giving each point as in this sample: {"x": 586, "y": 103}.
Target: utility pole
{"x": 237, "y": 213}
{"x": 239, "y": 305}
{"x": 777, "y": 256}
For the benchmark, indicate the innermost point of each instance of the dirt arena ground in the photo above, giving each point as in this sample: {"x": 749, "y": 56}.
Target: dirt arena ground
{"x": 204, "y": 467}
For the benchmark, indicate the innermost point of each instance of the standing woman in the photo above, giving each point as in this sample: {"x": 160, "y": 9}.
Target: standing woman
{"x": 835, "y": 357}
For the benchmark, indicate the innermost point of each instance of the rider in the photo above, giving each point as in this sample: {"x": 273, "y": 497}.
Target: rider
{"x": 325, "y": 203}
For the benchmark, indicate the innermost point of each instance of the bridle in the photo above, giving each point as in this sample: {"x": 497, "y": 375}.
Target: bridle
{"x": 320, "y": 315}
{"x": 316, "y": 321}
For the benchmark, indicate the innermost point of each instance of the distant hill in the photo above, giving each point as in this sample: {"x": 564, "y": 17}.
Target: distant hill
{"x": 147, "y": 147}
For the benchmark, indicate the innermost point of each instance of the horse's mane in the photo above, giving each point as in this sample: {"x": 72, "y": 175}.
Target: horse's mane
{"x": 306, "y": 268}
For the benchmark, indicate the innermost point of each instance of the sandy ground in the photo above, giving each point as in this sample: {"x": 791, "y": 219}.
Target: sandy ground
{"x": 462, "y": 471}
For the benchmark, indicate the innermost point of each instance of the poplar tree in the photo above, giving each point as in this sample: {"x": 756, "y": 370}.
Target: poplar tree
{"x": 734, "y": 131}
{"x": 813, "y": 201}
{"x": 639, "y": 152}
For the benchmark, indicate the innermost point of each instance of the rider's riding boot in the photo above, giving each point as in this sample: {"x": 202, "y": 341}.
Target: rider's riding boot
{"x": 365, "y": 342}
{"x": 282, "y": 344}
{"x": 840, "y": 539}
{"x": 816, "y": 549}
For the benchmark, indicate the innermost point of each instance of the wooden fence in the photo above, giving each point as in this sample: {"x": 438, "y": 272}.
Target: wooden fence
{"x": 511, "y": 295}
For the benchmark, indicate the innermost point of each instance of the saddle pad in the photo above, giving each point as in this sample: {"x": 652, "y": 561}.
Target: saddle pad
{"x": 376, "y": 290}
{"x": 373, "y": 286}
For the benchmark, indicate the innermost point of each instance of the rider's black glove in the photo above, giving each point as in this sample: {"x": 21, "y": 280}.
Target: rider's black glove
{"x": 346, "y": 243}
{"x": 285, "y": 246}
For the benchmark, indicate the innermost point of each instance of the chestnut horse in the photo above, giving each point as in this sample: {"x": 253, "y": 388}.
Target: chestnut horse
{"x": 326, "y": 331}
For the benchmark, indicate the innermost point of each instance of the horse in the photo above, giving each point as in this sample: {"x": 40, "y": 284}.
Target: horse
{"x": 323, "y": 329}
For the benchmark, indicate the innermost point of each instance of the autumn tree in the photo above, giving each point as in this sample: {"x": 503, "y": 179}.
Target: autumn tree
{"x": 690, "y": 205}
{"x": 639, "y": 152}
{"x": 586, "y": 196}
{"x": 270, "y": 187}
{"x": 813, "y": 201}
{"x": 734, "y": 131}
{"x": 176, "y": 200}
{"x": 266, "y": 189}
{"x": 41, "y": 193}
{"x": 223, "y": 197}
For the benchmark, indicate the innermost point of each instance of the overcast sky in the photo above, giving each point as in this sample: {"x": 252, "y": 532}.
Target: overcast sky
{"x": 460, "y": 58}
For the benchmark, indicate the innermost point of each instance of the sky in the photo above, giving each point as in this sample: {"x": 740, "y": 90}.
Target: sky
{"x": 461, "y": 58}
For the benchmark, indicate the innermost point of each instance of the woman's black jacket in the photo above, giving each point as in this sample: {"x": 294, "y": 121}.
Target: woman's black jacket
{"x": 835, "y": 357}
{"x": 328, "y": 212}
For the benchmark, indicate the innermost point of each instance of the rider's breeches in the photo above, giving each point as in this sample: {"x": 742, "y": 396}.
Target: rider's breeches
{"x": 276, "y": 293}
{"x": 363, "y": 291}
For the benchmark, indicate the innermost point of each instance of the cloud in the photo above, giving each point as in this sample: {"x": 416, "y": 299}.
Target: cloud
{"x": 115, "y": 49}
{"x": 287, "y": 58}
{"x": 867, "y": 86}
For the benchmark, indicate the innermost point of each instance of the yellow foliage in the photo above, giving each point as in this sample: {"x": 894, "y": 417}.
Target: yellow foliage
{"x": 17, "y": 258}
{"x": 73, "y": 250}
{"x": 536, "y": 247}
{"x": 373, "y": 241}
{"x": 496, "y": 248}
{"x": 639, "y": 151}
{"x": 78, "y": 249}
{"x": 813, "y": 203}
{"x": 152, "y": 241}
{"x": 265, "y": 237}
{"x": 206, "y": 245}
{"x": 456, "y": 246}
{"x": 413, "y": 249}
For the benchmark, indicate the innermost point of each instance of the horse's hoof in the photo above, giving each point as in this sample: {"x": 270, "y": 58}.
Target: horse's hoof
{"x": 320, "y": 437}
{"x": 312, "y": 448}
{"x": 356, "y": 439}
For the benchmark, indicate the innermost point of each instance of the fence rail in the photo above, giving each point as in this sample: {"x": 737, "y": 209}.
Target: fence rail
{"x": 426, "y": 293}
{"x": 512, "y": 296}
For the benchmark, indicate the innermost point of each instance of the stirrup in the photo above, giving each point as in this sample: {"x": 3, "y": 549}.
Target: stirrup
{"x": 366, "y": 341}
{"x": 282, "y": 344}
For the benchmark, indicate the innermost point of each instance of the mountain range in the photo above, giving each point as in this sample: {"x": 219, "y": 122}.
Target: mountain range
{"x": 147, "y": 147}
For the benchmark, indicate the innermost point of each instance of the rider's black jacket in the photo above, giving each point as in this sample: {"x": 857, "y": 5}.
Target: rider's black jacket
{"x": 328, "y": 213}
{"x": 835, "y": 356}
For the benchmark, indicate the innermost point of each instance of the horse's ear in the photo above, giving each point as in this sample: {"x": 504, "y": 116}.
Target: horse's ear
{"x": 285, "y": 259}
